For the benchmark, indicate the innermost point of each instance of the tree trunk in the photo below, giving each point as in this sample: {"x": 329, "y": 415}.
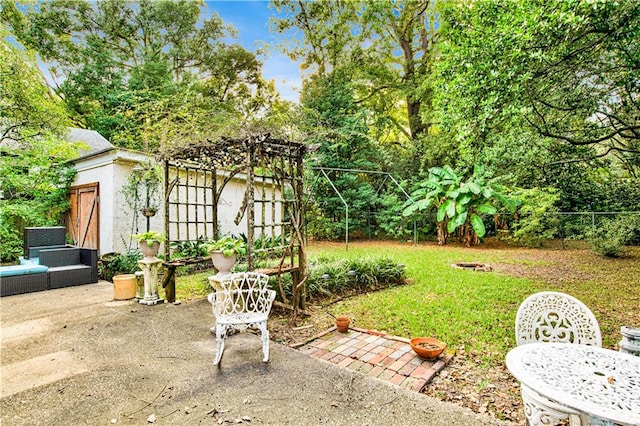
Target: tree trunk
{"x": 442, "y": 233}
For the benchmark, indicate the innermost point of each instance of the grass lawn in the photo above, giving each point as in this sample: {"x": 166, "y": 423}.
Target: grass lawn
{"x": 476, "y": 310}
{"x": 465, "y": 309}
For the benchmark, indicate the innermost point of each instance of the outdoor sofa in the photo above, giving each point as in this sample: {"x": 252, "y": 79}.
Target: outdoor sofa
{"x": 48, "y": 263}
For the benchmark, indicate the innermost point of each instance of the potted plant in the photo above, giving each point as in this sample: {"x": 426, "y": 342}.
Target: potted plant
{"x": 428, "y": 348}
{"x": 224, "y": 252}
{"x": 149, "y": 243}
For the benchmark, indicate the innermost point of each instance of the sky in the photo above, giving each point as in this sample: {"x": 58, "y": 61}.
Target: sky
{"x": 250, "y": 18}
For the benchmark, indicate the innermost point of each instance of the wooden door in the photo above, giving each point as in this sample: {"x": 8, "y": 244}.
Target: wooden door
{"x": 83, "y": 218}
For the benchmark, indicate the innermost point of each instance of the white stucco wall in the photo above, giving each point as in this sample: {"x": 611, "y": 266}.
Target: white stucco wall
{"x": 111, "y": 170}
{"x": 116, "y": 221}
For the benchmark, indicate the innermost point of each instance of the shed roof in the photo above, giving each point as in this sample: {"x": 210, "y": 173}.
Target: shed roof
{"x": 96, "y": 143}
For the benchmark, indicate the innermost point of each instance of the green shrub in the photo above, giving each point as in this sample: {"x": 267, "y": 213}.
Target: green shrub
{"x": 11, "y": 247}
{"x": 537, "y": 221}
{"x": 188, "y": 249}
{"x": 118, "y": 263}
{"x": 613, "y": 234}
{"x": 630, "y": 226}
{"x": 330, "y": 277}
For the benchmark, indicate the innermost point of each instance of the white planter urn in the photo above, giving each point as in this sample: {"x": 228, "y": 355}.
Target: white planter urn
{"x": 223, "y": 263}
{"x": 149, "y": 251}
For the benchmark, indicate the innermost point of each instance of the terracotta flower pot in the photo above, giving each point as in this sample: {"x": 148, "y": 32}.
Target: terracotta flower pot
{"x": 124, "y": 287}
{"x": 342, "y": 324}
{"x": 427, "y": 347}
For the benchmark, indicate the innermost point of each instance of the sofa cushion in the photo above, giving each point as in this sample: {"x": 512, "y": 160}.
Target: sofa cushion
{"x": 30, "y": 261}
{"x": 13, "y": 270}
{"x": 66, "y": 276}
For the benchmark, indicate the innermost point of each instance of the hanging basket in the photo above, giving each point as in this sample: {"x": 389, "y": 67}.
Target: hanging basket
{"x": 148, "y": 211}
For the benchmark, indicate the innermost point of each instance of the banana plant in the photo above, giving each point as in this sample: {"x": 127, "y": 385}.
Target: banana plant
{"x": 433, "y": 193}
{"x": 459, "y": 203}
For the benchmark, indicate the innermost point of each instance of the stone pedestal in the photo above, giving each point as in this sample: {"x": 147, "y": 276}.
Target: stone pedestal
{"x": 215, "y": 280}
{"x": 630, "y": 342}
{"x": 139, "y": 285}
{"x": 150, "y": 268}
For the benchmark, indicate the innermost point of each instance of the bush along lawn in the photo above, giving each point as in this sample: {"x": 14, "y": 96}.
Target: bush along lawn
{"x": 329, "y": 277}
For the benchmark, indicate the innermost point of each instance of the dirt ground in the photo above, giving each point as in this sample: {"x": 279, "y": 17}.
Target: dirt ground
{"x": 73, "y": 356}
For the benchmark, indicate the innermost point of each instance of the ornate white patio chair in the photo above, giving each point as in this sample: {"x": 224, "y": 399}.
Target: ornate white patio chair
{"x": 553, "y": 317}
{"x": 244, "y": 302}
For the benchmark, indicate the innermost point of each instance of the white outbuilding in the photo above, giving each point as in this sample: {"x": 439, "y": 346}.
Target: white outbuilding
{"x": 101, "y": 216}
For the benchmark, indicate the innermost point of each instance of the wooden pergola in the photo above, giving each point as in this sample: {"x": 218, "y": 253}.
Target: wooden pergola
{"x": 195, "y": 177}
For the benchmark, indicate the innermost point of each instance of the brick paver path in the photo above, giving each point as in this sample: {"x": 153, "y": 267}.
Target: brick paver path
{"x": 376, "y": 354}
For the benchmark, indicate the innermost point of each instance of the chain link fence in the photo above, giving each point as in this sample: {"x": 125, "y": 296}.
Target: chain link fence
{"x": 558, "y": 225}
{"x": 579, "y": 224}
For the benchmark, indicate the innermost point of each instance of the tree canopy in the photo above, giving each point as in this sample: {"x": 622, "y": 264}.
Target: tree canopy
{"x": 387, "y": 48}
{"x": 33, "y": 151}
{"x": 143, "y": 73}
{"x": 567, "y": 71}
{"x": 541, "y": 94}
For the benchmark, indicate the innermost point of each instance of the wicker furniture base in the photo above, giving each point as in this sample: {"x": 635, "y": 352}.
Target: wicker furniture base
{"x": 19, "y": 284}
{"x": 67, "y": 276}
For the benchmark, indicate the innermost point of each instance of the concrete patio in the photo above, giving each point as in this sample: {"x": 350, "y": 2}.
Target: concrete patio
{"x": 75, "y": 356}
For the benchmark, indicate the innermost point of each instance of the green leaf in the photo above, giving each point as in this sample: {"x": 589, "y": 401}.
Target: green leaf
{"x": 486, "y": 208}
{"x": 509, "y": 203}
{"x": 410, "y": 209}
{"x": 474, "y": 187}
{"x": 451, "y": 227}
{"x": 450, "y": 207}
{"x": 463, "y": 200}
{"x": 457, "y": 221}
{"x": 441, "y": 212}
{"x": 447, "y": 172}
{"x": 478, "y": 225}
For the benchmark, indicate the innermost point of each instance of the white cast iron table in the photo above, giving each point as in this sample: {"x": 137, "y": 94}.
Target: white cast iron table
{"x": 601, "y": 383}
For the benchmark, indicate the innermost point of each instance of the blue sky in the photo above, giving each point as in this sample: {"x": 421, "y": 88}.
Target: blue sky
{"x": 250, "y": 18}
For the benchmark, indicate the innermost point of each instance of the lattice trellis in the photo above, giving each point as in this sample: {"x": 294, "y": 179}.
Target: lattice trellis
{"x": 196, "y": 176}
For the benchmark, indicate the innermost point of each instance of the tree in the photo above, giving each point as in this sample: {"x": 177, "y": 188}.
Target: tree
{"x": 337, "y": 125}
{"x": 125, "y": 64}
{"x": 564, "y": 70}
{"x": 388, "y": 48}
{"x": 33, "y": 153}
{"x": 27, "y": 107}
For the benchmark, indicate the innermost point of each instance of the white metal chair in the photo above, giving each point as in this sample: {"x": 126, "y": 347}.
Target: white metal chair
{"x": 244, "y": 302}
{"x": 553, "y": 317}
